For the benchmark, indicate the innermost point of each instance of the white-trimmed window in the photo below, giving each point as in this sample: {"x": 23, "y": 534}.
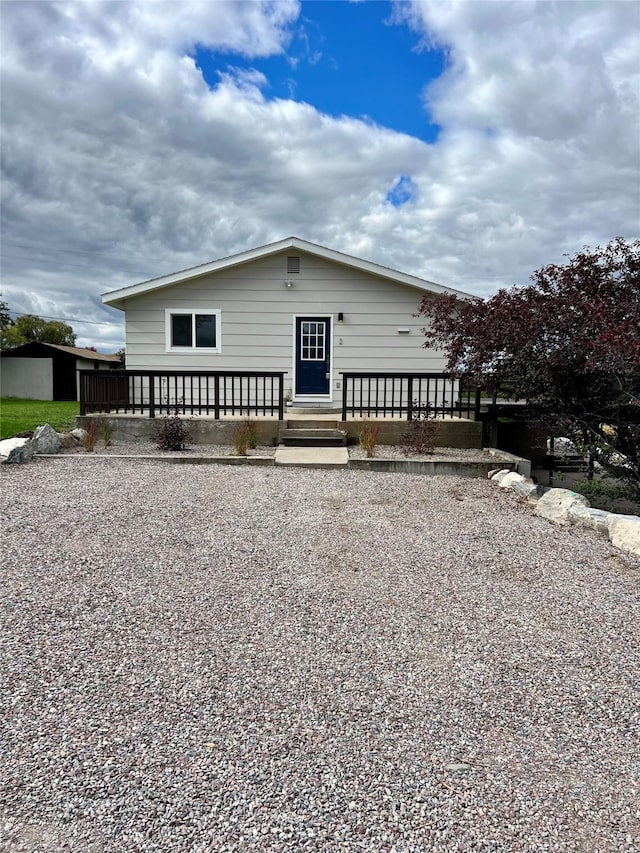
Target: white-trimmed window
{"x": 192, "y": 330}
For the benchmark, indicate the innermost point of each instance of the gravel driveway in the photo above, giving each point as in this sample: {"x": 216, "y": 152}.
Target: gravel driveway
{"x": 209, "y": 658}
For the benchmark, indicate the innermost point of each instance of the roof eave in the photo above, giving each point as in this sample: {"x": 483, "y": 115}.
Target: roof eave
{"x": 117, "y": 298}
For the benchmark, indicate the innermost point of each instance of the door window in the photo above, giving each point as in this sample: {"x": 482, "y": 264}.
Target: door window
{"x": 313, "y": 340}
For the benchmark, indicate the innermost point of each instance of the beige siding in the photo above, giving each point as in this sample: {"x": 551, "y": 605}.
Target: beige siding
{"x": 257, "y": 319}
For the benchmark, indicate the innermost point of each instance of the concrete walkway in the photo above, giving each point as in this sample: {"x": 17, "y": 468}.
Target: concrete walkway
{"x": 312, "y": 457}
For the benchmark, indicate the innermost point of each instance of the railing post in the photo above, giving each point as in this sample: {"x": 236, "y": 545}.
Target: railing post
{"x": 344, "y": 397}
{"x": 152, "y": 396}
{"x": 216, "y": 397}
{"x": 83, "y": 394}
{"x": 409, "y": 397}
{"x": 281, "y": 398}
{"x": 476, "y": 411}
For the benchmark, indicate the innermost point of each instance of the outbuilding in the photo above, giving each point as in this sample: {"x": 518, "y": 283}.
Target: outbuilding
{"x": 43, "y": 371}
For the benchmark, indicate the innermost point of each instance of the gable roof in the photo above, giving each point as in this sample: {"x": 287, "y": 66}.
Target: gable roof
{"x": 116, "y": 298}
{"x": 78, "y": 352}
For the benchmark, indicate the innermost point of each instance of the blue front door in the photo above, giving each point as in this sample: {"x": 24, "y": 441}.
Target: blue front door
{"x": 313, "y": 349}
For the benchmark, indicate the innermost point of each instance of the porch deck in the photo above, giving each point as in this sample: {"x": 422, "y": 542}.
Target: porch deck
{"x": 221, "y": 394}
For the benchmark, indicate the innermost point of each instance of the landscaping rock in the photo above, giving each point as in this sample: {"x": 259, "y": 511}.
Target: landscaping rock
{"x": 67, "y": 440}
{"x": 593, "y": 519}
{"x": 517, "y": 483}
{"x": 511, "y": 477}
{"x": 500, "y": 475}
{"x": 15, "y": 451}
{"x": 45, "y": 440}
{"x": 524, "y": 487}
{"x": 534, "y": 496}
{"x": 79, "y": 434}
{"x": 624, "y": 532}
{"x": 556, "y": 503}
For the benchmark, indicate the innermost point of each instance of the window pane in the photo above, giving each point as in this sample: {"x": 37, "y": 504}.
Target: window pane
{"x": 181, "y": 330}
{"x": 205, "y": 330}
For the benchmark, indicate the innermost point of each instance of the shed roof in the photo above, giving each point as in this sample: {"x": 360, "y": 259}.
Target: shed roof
{"x": 116, "y": 298}
{"x": 78, "y": 352}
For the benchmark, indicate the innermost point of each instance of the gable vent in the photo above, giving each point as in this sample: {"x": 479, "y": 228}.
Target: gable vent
{"x": 293, "y": 265}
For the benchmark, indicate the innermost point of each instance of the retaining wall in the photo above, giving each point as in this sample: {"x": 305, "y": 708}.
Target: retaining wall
{"x": 448, "y": 433}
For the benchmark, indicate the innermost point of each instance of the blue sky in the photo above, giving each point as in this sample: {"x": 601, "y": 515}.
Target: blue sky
{"x": 348, "y": 59}
{"x": 140, "y": 138}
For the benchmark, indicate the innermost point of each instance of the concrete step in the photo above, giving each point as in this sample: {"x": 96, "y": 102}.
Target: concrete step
{"x": 312, "y": 457}
{"x": 314, "y": 410}
{"x": 312, "y": 437}
{"x": 310, "y": 423}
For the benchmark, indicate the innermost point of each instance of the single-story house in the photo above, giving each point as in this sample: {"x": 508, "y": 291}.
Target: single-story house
{"x": 43, "y": 371}
{"x": 292, "y": 306}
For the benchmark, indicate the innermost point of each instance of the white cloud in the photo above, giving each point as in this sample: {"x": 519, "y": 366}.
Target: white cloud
{"x": 121, "y": 163}
{"x": 539, "y": 150}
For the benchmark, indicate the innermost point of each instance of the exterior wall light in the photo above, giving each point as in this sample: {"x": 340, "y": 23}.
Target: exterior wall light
{"x": 340, "y": 317}
{"x": 288, "y": 282}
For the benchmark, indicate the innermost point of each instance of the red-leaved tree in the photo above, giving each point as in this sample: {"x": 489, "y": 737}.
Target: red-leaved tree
{"x": 568, "y": 344}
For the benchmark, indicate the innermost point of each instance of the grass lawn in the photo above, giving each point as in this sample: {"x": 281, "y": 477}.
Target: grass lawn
{"x": 20, "y": 415}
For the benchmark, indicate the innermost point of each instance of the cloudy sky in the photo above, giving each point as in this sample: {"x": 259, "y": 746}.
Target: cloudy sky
{"x": 465, "y": 142}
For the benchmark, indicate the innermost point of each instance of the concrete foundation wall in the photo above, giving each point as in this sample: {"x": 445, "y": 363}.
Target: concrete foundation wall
{"x": 428, "y": 467}
{"x": 200, "y": 431}
{"x": 27, "y": 378}
{"x": 453, "y": 433}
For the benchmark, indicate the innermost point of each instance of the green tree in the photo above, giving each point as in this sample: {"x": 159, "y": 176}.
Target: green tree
{"x": 5, "y": 323}
{"x": 29, "y": 328}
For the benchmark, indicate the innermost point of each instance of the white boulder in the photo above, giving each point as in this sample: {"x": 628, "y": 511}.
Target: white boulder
{"x": 556, "y": 503}
{"x": 624, "y": 532}
{"x": 517, "y": 483}
{"x": 512, "y": 477}
{"x": 593, "y": 519}
{"x": 500, "y": 475}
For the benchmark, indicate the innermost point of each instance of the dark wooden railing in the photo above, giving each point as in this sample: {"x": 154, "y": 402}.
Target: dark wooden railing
{"x": 404, "y": 395}
{"x": 206, "y": 392}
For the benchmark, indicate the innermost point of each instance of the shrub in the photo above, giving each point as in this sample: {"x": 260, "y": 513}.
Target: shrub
{"x": 252, "y": 437}
{"x": 368, "y": 438}
{"x": 602, "y": 493}
{"x": 90, "y": 436}
{"x": 107, "y": 434}
{"x": 244, "y": 437}
{"x": 420, "y": 437}
{"x": 171, "y": 433}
